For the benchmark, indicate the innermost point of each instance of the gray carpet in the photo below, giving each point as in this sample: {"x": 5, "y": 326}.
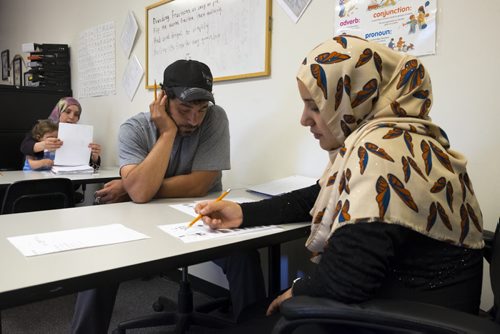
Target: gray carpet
{"x": 134, "y": 299}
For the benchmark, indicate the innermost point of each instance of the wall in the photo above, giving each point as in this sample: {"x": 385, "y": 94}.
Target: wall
{"x": 267, "y": 140}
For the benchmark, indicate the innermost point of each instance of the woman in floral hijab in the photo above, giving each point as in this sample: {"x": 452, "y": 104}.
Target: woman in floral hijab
{"x": 394, "y": 214}
{"x": 376, "y": 103}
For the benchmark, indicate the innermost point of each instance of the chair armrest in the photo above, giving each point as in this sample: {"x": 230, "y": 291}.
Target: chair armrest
{"x": 382, "y": 314}
{"x": 488, "y": 237}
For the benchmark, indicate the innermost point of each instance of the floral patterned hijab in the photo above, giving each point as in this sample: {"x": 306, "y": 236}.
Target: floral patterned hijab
{"x": 61, "y": 106}
{"x": 395, "y": 166}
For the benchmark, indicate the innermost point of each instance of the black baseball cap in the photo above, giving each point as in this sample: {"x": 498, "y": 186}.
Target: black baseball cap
{"x": 190, "y": 80}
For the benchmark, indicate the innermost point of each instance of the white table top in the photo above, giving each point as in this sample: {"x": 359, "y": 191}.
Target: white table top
{"x": 25, "y": 279}
{"x": 104, "y": 174}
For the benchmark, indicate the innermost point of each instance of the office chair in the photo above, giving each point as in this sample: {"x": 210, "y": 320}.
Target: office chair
{"x": 36, "y": 195}
{"x": 393, "y": 316}
{"x": 185, "y": 315}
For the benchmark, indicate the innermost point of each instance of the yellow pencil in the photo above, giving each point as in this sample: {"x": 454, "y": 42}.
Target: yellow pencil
{"x": 155, "y": 91}
{"x": 218, "y": 199}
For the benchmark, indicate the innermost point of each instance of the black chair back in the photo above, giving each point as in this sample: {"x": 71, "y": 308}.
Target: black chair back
{"x": 495, "y": 274}
{"x": 397, "y": 316}
{"x": 36, "y": 195}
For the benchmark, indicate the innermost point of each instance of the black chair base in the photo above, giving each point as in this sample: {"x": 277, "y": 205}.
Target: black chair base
{"x": 221, "y": 304}
{"x": 182, "y": 321}
{"x": 183, "y": 318}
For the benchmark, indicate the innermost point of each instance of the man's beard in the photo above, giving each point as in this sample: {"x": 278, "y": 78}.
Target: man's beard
{"x": 186, "y": 130}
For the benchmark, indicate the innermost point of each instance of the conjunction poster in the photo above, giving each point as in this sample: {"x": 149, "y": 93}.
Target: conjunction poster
{"x": 403, "y": 25}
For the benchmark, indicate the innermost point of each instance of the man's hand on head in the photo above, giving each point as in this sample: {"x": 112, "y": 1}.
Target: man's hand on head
{"x": 164, "y": 123}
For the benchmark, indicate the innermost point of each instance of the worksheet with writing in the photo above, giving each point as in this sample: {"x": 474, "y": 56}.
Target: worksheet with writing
{"x": 52, "y": 242}
{"x": 200, "y": 231}
{"x": 188, "y": 208}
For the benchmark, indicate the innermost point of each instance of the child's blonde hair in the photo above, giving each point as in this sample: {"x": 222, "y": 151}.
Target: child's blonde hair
{"x": 42, "y": 127}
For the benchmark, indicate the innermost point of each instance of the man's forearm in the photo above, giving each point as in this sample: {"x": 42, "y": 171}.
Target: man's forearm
{"x": 143, "y": 180}
{"x": 195, "y": 184}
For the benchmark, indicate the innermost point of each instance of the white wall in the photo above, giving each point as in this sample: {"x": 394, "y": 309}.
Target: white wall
{"x": 267, "y": 140}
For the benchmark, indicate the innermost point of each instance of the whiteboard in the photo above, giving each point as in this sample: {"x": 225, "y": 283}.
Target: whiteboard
{"x": 231, "y": 36}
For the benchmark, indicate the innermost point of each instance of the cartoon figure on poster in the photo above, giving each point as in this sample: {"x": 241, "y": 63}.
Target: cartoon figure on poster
{"x": 389, "y": 3}
{"x": 391, "y": 44}
{"x": 412, "y": 23}
{"x": 419, "y": 20}
{"x": 346, "y": 7}
{"x": 376, "y": 4}
{"x": 400, "y": 44}
{"x": 421, "y": 17}
{"x": 373, "y": 5}
{"x": 408, "y": 47}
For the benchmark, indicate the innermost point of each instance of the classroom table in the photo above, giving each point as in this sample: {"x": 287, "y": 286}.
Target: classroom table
{"x": 28, "y": 279}
{"x": 103, "y": 174}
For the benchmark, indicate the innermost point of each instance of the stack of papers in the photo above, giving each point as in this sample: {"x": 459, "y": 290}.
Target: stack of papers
{"x": 74, "y": 155}
{"x": 83, "y": 169}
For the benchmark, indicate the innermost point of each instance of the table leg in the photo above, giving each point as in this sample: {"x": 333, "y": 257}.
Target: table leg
{"x": 274, "y": 269}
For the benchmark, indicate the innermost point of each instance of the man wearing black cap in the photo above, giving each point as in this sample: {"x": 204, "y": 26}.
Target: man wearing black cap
{"x": 178, "y": 149}
{"x": 180, "y": 153}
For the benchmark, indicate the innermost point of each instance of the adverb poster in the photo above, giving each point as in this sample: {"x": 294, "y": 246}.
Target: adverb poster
{"x": 403, "y": 25}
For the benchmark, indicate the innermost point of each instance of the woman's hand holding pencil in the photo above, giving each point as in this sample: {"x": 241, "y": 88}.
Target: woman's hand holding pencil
{"x": 219, "y": 214}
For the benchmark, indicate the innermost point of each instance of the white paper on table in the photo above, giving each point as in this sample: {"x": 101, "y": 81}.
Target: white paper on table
{"x": 59, "y": 241}
{"x": 188, "y": 208}
{"x": 132, "y": 77}
{"x": 283, "y": 185}
{"x": 75, "y": 149}
{"x": 129, "y": 32}
{"x": 200, "y": 232}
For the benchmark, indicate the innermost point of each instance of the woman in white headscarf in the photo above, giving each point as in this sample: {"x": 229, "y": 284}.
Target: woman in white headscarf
{"x": 394, "y": 214}
{"x": 67, "y": 110}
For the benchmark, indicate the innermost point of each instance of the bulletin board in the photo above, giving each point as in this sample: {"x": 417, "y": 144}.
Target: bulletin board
{"x": 233, "y": 37}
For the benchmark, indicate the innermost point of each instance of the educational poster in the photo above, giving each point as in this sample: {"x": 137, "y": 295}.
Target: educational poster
{"x": 129, "y": 33}
{"x": 96, "y": 61}
{"x": 294, "y": 8}
{"x": 132, "y": 77}
{"x": 407, "y": 26}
